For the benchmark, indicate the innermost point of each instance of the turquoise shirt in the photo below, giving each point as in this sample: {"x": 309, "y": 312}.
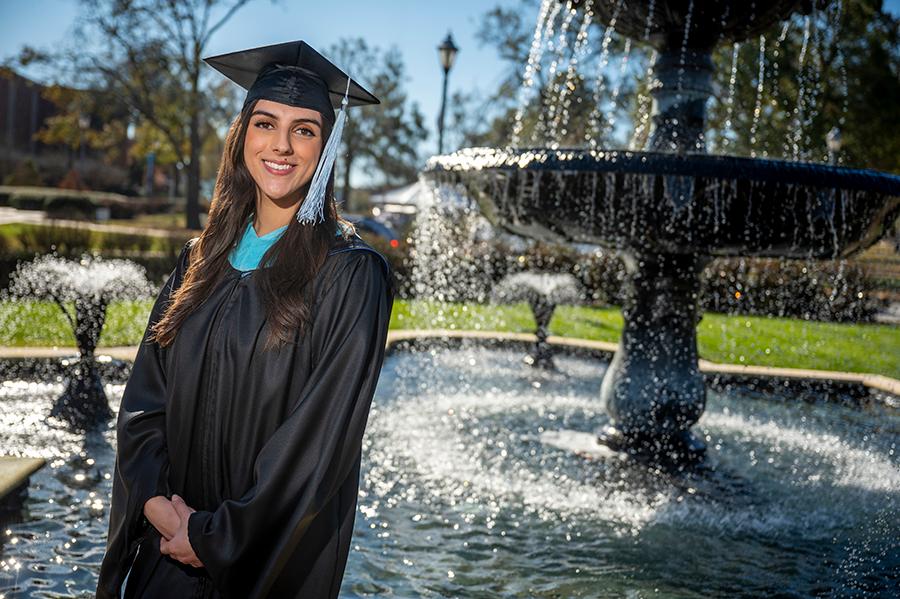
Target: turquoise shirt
{"x": 251, "y": 248}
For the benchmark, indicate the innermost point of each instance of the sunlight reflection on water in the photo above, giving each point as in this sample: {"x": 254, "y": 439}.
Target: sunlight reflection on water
{"x": 460, "y": 497}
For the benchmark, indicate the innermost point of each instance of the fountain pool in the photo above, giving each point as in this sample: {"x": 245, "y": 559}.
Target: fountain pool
{"x": 463, "y": 497}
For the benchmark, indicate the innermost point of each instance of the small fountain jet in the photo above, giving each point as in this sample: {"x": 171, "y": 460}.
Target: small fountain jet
{"x": 82, "y": 290}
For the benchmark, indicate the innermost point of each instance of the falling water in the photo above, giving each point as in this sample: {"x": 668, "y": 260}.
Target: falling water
{"x": 732, "y": 81}
{"x": 580, "y": 52}
{"x": 799, "y": 116}
{"x": 545, "y": 19}
{"x": 609, "y": 119}
{"x": 642, "y": 131}
{"x": 555, "y": 103}
{"x": 557, "y": 62}
{"x": 759, "y": 95}
{"x": 595, "y": 126}
{"x": 546, "y": 40}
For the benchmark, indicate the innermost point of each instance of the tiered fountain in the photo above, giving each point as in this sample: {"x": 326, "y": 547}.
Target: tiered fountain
{"x": 670, "y": 209}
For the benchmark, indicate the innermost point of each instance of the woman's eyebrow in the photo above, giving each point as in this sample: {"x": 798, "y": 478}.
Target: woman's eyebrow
{"x": 300, "y": 120}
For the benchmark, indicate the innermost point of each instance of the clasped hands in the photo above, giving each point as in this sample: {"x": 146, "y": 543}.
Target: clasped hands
{"x": 170, "y": 518}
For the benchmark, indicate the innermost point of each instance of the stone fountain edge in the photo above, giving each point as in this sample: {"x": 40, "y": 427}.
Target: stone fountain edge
{"x": 717, "y": 376}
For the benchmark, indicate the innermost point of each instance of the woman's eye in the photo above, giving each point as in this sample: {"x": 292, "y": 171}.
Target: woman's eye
{"x": 262, "y": 124}
{"x": 306, "y": 132}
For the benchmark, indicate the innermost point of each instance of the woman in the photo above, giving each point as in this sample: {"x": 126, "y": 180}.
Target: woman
{"x": 240, "y": 428}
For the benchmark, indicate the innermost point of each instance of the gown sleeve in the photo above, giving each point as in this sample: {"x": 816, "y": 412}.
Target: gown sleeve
{"x": 141, "y": 457}
{"x": 245, "y": 542}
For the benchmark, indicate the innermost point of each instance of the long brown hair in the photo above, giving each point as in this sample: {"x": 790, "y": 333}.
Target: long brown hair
{"x": 292, "y": 261}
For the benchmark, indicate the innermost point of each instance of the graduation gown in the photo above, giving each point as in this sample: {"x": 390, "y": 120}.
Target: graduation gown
{"x": 264, "y": 444}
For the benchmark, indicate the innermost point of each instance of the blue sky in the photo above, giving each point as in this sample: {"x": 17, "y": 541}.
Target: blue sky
{"x": 416, "y": 27}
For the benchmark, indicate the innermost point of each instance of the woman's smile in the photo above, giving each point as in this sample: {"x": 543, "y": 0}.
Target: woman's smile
{"x": 282, "y": 150}
{"x": 280, "y": 168}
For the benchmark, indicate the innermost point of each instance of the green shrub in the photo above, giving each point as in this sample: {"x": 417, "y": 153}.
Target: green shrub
{"x": 25, "y": 201}
{"x": 64, "y": 240}
{"x": 838, "y": 291}
{"x": 124, "y": 242}
{"x": 70, "y": 206}
{"x": 27, "y": 172}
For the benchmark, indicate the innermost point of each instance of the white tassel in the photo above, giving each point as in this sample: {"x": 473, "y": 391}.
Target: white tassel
{"x": 312, "y": 209}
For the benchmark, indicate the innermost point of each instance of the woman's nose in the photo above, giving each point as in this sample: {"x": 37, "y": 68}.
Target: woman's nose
{"x": 282, "y": 142}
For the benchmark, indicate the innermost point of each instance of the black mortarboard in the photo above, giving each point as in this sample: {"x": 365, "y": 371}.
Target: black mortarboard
{"x": 291, "y": 73}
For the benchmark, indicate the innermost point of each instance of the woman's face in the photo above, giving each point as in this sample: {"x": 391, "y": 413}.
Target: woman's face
{"x": 281, "y": 151}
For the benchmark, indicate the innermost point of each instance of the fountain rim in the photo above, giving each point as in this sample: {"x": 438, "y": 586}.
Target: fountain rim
{"x": 696, "y": 165}
{"x": 397, "y": 338}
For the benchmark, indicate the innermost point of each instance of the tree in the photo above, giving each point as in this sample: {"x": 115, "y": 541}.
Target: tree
{"x": 145, "y": 56}
{"x": 384, "y": 136}
{"x": 839, "y": 67}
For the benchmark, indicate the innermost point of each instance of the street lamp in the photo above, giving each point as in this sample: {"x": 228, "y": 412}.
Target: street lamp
{"x": 448, "y": 53}
{"x": 84, "y": 121}
{"x": 834, "y": 140}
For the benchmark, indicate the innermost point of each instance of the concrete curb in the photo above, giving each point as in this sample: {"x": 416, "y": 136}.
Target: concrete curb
{"x": 14, "y": 475}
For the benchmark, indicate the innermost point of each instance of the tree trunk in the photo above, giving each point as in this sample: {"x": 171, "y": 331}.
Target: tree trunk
{"x": 345, "y": 192}
{"x": 192, "y": 205}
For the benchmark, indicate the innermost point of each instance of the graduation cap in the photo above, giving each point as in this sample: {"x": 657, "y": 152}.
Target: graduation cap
{"x": 296, "y": 75}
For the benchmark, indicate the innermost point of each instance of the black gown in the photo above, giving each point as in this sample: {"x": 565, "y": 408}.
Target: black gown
{"x": 264, "y": 444}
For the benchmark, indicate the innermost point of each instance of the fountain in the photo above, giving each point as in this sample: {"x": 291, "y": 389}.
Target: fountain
{"x": 670, "y": 209}
{"x": 82, "y": 290}
{"x": 543, "y": 292}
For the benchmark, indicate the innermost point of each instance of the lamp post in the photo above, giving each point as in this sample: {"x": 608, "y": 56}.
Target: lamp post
{"x": 84, "y": 121}
{"x": 447, "y": 52}
{"x": 834, "y": 140}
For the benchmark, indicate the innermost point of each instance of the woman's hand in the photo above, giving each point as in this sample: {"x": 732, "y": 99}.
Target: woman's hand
{"x": 160, "y": 512}
{"x": 179, "y": 546}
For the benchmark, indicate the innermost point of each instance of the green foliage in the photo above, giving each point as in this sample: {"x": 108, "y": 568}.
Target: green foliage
{"x": 841, "y": 291}
{"x": 124, "y": 241}
{"x": 26, "y": 173}
{"x": 64, "y": 240}
{"x": 28, "y": 201}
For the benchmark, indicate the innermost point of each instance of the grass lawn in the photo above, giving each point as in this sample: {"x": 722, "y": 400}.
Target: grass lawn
{"x": 752, "y": 340}
{"x": 42, "y": 324}
{"x": 726, "y": 339}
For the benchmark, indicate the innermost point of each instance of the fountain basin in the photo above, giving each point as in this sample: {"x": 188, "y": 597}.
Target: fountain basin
{"x": 464, "y": 494}
{"x": 662, "y": 203}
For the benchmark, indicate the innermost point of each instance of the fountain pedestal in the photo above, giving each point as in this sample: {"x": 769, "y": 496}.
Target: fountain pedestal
{"x": 84, "y": 403}
{"x": 653, "y": 390}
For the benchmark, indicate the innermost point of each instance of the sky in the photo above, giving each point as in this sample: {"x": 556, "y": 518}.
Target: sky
{"x": 415, "y": 27}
